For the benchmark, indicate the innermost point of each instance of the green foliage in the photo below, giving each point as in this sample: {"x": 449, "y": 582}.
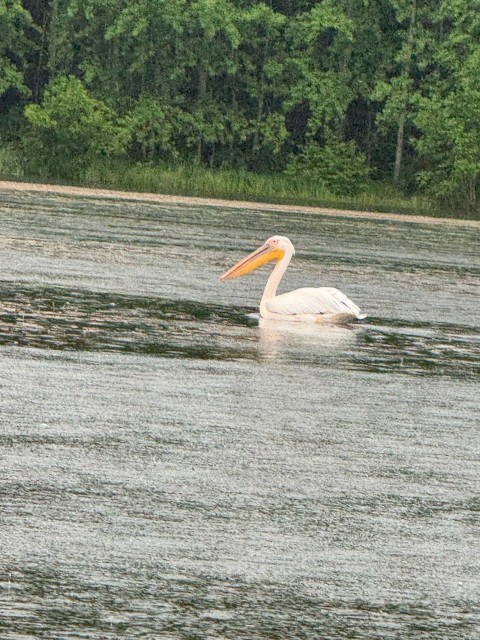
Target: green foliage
{"x": 320, "y": 79}
{"x": 337, "y": 167}
{"x": 10, "y": 163}
{"x": 70, "y": 129}
{"x": 448, "y": 112}
{"x": 450, "y": 140}
{"x": 14, "y": 23}
{"x": 152, "y": 127}
{"x": 249, "y": 84}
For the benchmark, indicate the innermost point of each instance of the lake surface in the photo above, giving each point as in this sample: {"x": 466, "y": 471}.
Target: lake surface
{"x": 171, "y": 468}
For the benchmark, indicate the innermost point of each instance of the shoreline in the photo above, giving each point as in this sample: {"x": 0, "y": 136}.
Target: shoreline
{"x": 111, "y": 194}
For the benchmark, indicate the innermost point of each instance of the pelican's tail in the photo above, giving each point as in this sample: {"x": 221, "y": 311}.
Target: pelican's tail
{"x": 339, "y": 318}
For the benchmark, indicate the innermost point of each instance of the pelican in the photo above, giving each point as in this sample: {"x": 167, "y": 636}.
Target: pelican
{"x": 323, "y": 304}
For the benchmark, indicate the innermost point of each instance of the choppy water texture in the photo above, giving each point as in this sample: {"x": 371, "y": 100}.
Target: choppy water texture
{"x": 172, "y": 469}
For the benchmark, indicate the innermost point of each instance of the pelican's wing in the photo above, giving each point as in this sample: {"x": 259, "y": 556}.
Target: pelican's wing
{"x": 324, "y": 300}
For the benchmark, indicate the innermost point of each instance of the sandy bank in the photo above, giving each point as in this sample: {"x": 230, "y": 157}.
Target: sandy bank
{"x": 226, "y": 204}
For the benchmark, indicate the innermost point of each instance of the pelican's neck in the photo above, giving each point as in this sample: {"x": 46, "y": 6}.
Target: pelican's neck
{"x": 274, "y": 280}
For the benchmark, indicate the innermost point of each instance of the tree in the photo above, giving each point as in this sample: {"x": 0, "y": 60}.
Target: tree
{"x": 398, "y": 91}
{"x": 14, "y": 23}
{"x": 368, "y": 57}
{"x": 152, "y": 129}
{"x": 258, "y": 86}
{"x": 70, "y": 129}
{"x": 449, "y": 110}
{"x": 336, "y": 167}
{"x": 206, "y": 52}
{"x": 318, "y": 76}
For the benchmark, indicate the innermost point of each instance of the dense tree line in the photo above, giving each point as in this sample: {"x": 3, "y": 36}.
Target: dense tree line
{"x": 340, "y": 90}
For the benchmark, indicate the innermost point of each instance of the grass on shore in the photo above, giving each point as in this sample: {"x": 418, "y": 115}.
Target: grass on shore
{"x": 243, "y": 185}
{"x": 197, "y": 181}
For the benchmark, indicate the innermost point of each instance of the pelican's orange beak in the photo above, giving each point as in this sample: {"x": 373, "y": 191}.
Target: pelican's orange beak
{"x": 261, "y": 256}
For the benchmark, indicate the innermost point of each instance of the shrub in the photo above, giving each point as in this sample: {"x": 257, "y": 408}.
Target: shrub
{"x": 70, "y": 129}
{"x": 10, "y": 163}
{"x": 337, "y": 167}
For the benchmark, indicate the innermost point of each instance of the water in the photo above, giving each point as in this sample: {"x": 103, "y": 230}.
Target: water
{"x": 172, "y": 469}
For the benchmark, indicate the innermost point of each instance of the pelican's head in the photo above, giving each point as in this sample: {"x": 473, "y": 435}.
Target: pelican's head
{"x": 275, "y": 248}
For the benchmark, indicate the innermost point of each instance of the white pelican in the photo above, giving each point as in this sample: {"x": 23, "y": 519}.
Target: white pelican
{"x": 324, "y": 304}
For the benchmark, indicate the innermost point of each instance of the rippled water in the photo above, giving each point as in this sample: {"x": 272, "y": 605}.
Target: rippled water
{"x": 171, "y": 468}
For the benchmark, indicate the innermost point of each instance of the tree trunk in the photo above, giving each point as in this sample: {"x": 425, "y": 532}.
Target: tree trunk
{"x": 201, "y": 92}
{"x": 402, "y": 119}
{"x": 399, "y": 150}
{"x": 256, "y": 135}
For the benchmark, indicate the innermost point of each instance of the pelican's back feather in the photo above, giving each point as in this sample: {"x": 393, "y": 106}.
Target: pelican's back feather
{"x": 308, "y": 300}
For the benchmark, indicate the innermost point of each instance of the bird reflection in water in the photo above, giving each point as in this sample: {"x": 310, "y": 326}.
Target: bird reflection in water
{"x": 306, "y": 342}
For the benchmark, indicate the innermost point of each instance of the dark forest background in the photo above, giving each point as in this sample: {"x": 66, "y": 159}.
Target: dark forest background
{"x": 347, "y": 93}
